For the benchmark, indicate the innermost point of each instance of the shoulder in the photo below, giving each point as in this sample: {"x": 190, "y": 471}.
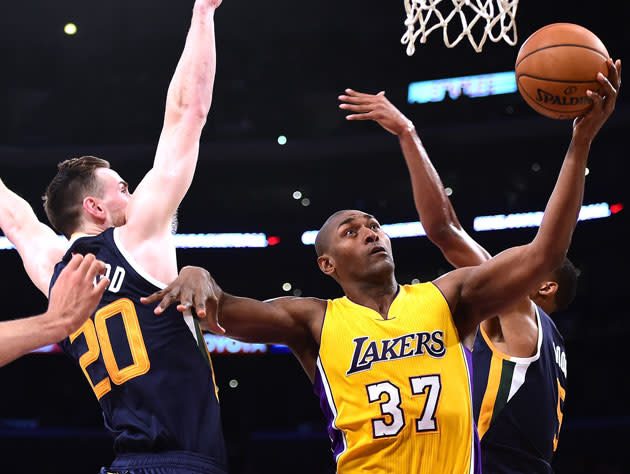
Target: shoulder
{"x": 306, "y": 313}
{"x": 519, "y": 329}
{"x": 451, "y": 284}
{"x": 303, "y": 309}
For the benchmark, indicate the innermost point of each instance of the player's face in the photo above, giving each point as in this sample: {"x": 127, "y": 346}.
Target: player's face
{"x": 115, "y": 197}
{"x": 359, "y": 247}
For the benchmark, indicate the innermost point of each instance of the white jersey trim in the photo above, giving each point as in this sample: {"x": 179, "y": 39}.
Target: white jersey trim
{"x": 188, "y": 317}
{"x": 517, "y": 360}
{"x": 523, "y": 363}
{"x": 535, "y": 357}
{"x": 135, "y": 265}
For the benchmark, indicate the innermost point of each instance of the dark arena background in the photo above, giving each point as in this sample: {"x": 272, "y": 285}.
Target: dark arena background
{"x": 277, "y": 157}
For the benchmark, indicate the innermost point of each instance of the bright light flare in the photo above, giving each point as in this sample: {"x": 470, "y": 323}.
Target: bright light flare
{"x": 70, "y": 29}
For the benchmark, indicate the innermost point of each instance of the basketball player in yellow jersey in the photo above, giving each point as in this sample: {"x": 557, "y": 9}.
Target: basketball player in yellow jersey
{"x": 391, "y": 363}
{"x": 520, "y": 350}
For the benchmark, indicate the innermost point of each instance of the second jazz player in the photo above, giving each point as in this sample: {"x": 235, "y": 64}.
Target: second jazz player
{"x": 152, "y": 375}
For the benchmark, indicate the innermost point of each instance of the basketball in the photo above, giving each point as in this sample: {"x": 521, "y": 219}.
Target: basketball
{"x": 555, "y": 67}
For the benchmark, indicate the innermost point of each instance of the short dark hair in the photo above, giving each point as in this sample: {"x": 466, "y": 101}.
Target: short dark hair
{"x": 322, "y": 240}
{"x": 63, "y": 201}
{"x": 566, "y": 276}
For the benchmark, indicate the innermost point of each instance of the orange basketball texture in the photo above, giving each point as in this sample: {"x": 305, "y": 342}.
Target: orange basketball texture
{"x": 555, "y": 67}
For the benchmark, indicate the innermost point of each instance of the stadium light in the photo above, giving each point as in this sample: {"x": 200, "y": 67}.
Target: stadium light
{"x": 70, "y": 29}
{"x": 481, "y": 85}
{"x": 533, "y": 219}
{"x": 199, "y": 241}
{"x": 484, "y": 223}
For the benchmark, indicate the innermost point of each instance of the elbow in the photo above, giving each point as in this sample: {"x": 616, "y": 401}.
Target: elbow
{"x": 189, "y": 108}
{"x": 198, "y": 110}
{"x": 441, "y": 235}
{"x": 548, "y": 257}
{"x": 10, "y": 224}
{"x": 190, "y": 113}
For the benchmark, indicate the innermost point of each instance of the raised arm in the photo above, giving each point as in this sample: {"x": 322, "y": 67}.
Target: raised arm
{"x": 433, "y": 205}
{"x": 73, "y": 299}
{"x": 492, "y": 287}
{"x": 187, "y": 105}
{"x": 38, "y": 245}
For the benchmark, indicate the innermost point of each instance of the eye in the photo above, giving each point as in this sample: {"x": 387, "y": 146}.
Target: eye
{"x": 375, "y": 226}
{"x": 348, "y": 232}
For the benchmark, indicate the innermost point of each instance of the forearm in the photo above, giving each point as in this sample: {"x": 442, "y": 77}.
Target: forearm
{"x": 21, "y": 336}
{"x": 522, "y": 268}
{"x": 255, "y": 321}
{"x": 432, "y": 203}
{"x": 561, "y": 214}
{"x": 434, "y": 207}
{"x": 497, "y": 285}
{"x": 282, "y": 320}
{"x": 188, "y": 101}
{"x": 190, "y": 91}
{"x": 563, "y": 208}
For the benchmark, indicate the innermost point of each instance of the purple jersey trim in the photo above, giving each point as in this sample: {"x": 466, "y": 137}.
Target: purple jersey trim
{"x": 476, "y": 444}
{"x": 476, "y": 451}
{"x": 336, "y": 436}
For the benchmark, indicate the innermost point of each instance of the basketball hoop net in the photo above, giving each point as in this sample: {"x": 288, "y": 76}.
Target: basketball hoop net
{"x": 495, "y": 17}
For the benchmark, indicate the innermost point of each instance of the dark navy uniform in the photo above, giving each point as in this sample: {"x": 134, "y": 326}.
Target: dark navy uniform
{"x": 151, "y": 374}
{"x": 518, "y": 402}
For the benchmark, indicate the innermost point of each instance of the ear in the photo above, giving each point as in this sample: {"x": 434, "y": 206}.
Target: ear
{"x": 93, "y": 207}
{"x": 326, "y": 264}
{"x": 548, "y": 288}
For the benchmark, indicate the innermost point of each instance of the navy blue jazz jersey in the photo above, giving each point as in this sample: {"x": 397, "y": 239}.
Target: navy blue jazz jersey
{"x": 153, "y": 379}
{"x": 518, "y": 402}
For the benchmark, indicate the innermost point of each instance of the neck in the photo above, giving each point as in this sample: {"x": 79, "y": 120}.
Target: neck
{"x": 374, "y": 295}
{"x": 91, "y": 228}
{"x": 545, "y": 305}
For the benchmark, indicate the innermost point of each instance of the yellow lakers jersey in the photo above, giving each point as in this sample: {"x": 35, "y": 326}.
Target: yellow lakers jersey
{"x": 396, "y": 391}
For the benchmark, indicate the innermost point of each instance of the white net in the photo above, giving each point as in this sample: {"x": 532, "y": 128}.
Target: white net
{"x": 485, "y": 19}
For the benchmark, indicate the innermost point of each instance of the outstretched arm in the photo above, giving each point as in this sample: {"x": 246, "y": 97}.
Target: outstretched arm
{"x": 72, "y": 300}
{"x": 433, "y": 205}
{"x": 38, "y": 245}
{"x": 295, "y": 322}
{"x": 187, "y": 105}
{"x": 284, "y": 320}
{"x": 492, "y": 287}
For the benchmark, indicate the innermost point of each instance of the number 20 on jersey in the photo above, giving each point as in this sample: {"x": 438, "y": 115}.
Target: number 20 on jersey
{"x": 98, "y": 342}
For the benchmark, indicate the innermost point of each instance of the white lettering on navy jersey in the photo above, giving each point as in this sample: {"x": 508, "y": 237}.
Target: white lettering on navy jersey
{"x": 561, "y": 358}
{"x": 115, "y": 280}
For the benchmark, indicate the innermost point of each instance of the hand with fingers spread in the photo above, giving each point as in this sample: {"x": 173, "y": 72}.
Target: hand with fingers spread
{"x": 586, "y": 127}
{"x": 75, "y": 297}
{"x": 72, "y": 301}
{"x": 375, "y": 107}
{"x": 194, "y": 289}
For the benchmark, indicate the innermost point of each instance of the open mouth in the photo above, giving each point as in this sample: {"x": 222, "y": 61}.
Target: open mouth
{"x": 376, "y": 250}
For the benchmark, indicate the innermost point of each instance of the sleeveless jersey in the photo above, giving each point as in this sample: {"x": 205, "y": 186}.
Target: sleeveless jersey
{"x": 396, "y": 392}
{"x": 518, "y": 402}
{"x": 152, "y": 374}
